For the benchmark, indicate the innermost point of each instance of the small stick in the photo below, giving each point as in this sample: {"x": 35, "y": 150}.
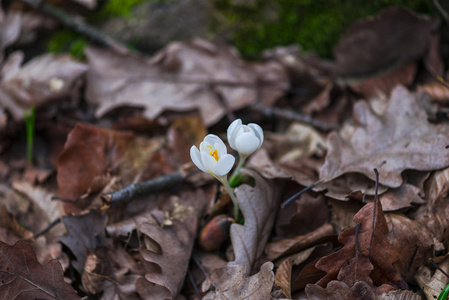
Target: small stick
{"x": 376, "y": 200}
{"x": 57, "y": 198}
{"x": 441, "y": 10}
{"x": 293, "y": 116}
{"x": 81, "y": 28}
{"x": 142, "y": 188}
{"x": 199, "y": 264}
{"x": 197, "y": 291}
{"x": 46, "y": 229}
{"x": 309, "y": 187}
{"x": 439, "y": 269}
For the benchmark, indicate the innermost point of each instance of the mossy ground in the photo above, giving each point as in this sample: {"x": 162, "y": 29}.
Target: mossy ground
{"x": 315, "y": 25}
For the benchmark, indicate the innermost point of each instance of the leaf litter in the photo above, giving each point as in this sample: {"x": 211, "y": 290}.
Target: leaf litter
{"x": 124, "y": 120}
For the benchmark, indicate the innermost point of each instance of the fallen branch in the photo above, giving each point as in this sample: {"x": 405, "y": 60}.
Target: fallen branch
{"x": 293, "y": 116}
{"x": 143, "y": 188}
{"x": 68, "y": 21}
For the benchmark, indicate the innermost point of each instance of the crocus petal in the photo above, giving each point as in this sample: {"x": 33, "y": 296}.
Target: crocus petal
{"x": 247, "y": 143}
{"x": 230, "y": 132}
{"x": 221, "y": 149}
{"x": 204, "y": 146}
{"x": 258, "y": 131}
{"x": 212, "y": 139}
{"x": 224, "y": 165}
{"x": 209, "y": 162}
{"x": 196, "y": 158}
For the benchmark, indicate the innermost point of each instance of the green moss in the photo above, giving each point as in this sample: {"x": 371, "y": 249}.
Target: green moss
{"x": 315, "y": 25}
{"x": 67, "y": 41}
{"x": 118, "y": 8}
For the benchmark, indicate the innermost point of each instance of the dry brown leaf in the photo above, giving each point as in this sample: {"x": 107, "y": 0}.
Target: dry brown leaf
{"x": 309, "y": 214}
{"x": 45, "y": 210}
{"x": 288, "y": 246}
{"x": 401, "y": 197}
{"x": 383, "y": 257}
{"x": 168, "y": 249}
{"x": 91, "y": 154}
{"x": 433, "y": 285}
{"x": 283, "y": 277}
{"x": 434, "y": 215}
{"x": 11, "y": 26}
{"x": 230, "y": 282}
{"x": 383, "y": 84}
{"x": 337, "y": 290}
{"x": 387, "y": 141}
{"x": 84, "y": 233}
{"x": 398, "y": 295}
{"x": 414, "y": 241}
{"x": 24, "y": 278}
{"x": 181, "y": 77}
{"x": 259, "y": 206}
{"x": 394, "y": 37}
{"x": 44, "y": 78}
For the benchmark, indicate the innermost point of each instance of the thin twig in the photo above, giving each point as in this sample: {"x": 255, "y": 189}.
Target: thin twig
{"x": 199, "y": 264}
{"x": 57, "y": 198}
{"x": 293, "y": 116}
{"x": 143, "y": 188}
{"x": 68, "y": 21}
{"x": 439, "y": 269}
{"x": 46, "y": 229}
{"x": 441, "y": 10}
{"x": 309, "y": 187}
{"x": 197, "y": 291}
{"x": 376, "y": 200}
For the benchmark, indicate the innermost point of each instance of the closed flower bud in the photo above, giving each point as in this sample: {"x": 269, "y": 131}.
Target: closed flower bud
{"x": 245, "y": 139}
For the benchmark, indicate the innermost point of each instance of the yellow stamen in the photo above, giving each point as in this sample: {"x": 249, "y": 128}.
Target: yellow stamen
{"x": 214, "y": 154}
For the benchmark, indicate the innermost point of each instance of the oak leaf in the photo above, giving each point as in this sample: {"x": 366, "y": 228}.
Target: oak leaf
{"x": 22, "y": 277}
{"x": 259, "y": 206}
{"x": 183, "y": 76}
{"x": 395, "y": 140}
{"x": 167, "y": 249}
{"x": 230, "y": 283}
{"x": 366, "y": 256}
{"x": 394, "y": 37}
{"x": 45, "y": 78}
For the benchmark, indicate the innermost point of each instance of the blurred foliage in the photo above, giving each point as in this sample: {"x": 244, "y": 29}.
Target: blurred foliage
{"x": 67, "y": 41}
{"x": 117, "y": 8}
{"x": 314, "y": 24}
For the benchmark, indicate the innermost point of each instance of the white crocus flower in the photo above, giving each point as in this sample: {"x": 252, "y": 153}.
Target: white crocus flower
{"x": 212, "y": 158}
{"x": 245, "y": 139}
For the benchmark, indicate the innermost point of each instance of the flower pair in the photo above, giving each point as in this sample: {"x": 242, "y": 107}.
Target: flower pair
{"x": 212, "y": 156}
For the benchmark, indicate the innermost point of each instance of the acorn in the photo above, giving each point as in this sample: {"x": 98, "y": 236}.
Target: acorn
{"x": 215, "y": 233}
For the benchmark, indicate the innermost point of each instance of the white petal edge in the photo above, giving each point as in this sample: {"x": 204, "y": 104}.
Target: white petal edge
{"x": 212, "y": 139}
{"x": 258, "y": 130}
{"x": 196, "y": 158}
{"x": 230, "y": 132}
{"x": 209, "y": 162}
{"x": 247, "y": 143}
{"x": 224, "y": 165}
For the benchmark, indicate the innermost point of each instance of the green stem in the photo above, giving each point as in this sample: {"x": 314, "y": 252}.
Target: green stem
{"x": 237, "y": 170}
{"x": 228, "y": 188}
